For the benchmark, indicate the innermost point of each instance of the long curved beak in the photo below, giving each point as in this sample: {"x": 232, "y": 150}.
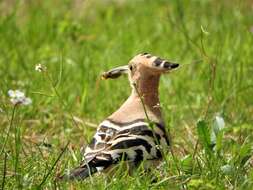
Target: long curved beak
{"x": 170, "y": 65}
{"x": 116, "y": 72}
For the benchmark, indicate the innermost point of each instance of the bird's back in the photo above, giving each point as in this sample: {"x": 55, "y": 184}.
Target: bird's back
{"x": 132, "y": 141}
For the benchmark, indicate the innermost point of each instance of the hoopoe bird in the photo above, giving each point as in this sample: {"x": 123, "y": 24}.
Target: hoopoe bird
{"x": 136, "y": 131}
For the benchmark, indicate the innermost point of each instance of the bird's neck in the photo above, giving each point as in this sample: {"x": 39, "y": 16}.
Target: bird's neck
{"x": 144, "y": 96}
{"x": 146, "y": 90}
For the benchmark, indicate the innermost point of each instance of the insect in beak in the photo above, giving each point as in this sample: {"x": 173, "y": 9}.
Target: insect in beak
{"x": 116, "y": 72}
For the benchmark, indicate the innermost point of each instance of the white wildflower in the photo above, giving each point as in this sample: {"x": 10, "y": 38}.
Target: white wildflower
{"x": 18, "y": 97}
{"x": 40, "y": 68}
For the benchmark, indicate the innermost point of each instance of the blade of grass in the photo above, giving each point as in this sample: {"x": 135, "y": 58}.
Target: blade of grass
{"x": 9, "y": 129}
{"x": 4, "y": 171}
{"x": 52, "y": 167}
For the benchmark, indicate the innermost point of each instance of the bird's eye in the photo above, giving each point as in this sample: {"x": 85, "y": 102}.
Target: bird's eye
{"x": 131, "y": 67}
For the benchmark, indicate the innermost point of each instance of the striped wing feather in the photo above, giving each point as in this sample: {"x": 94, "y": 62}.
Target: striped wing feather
{"x": 133, "y": 141}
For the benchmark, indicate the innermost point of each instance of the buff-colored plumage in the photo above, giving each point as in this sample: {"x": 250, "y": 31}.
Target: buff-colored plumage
{"x": 127, "y": 134}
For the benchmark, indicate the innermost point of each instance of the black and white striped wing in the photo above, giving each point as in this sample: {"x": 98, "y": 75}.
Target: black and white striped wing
{"x": 134, "y": 141}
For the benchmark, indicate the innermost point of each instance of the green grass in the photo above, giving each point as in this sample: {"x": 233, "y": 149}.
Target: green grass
{"x": 77, "y": 42}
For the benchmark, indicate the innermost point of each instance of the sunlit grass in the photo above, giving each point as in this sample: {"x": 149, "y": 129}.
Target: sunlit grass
{"x": 76, "y": 42}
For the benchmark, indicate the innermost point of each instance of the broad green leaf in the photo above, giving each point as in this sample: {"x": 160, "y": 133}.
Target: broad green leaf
{"x": 219, "y": 139}
{"x": 204, "y": 135}
{"x": 245, "y": 153}
{"x": 186, "y": 163}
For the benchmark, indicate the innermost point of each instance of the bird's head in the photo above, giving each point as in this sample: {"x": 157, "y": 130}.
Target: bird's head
{"x": 142, "y": 67}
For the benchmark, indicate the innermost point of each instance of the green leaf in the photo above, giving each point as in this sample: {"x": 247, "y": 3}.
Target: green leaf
{"x": 245, "y": 153}
{"x": 204, "y": 135}
{"x": 219, "y": 139}
{"x": 200, "y": 184}
{"x": 187, "y": 163}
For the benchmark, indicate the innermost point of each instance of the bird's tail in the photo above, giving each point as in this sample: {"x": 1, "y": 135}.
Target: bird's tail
{"x": 79, "y": 173}
{"x": 87, "y": 169}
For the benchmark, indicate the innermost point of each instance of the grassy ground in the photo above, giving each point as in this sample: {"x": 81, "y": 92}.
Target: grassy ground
{"x": 79, "y": 40}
